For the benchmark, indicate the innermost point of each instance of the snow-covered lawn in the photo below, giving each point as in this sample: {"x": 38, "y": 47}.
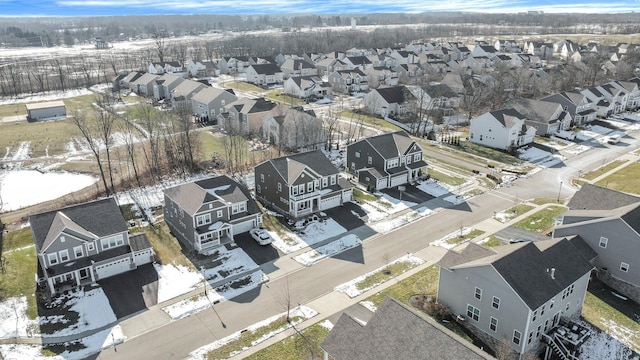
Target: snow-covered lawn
{"x": 384, "y": 227}
{"x": 13, "y": 184}
{"x": 444, "y": 242}
{"x": 532, "y": 154}
{"x": 601, "y": 345}
{"x": 91, "y": 345}
{"x": 578, "y": 149}
{"x": 335, "y": 247}
{"x": 14, "y": 320}
{"x": 176, "y": 280}
{"x": 591, "y": 132}
{"x": 314, "y": 232}
{"x": 302, "y": 313}
{"x": 351, "y": 287}
{"x": 41, "y": 97}
{"x": 432, "y": 188}
{"x": 224, "y": 292}
{"x": 229, "y": 263}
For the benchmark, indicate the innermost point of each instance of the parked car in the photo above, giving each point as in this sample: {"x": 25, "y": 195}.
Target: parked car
{"x": 261, "y": 236}
{"x": 614, "y": 139}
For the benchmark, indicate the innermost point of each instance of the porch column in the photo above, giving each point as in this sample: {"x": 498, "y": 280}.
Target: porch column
{"x": 76, "y": 274}
{"x": 52, "y": 288}
{"x": 93, "y": 278}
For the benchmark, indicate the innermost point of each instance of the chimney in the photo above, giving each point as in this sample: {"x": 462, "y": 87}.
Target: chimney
{"x": 553, "y": 273}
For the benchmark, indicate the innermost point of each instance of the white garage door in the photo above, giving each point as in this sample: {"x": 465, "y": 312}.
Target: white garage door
{"x": 114, "y": 268}
{"x": 143, "y": 258}
{"x": 243, "y": 227}
{"x": 329, "y": 203}
{"x": 398, "y": 180}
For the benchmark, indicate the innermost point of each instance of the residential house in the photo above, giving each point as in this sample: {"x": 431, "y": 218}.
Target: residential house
{"x": 293, "y": 128}
{"x": 617, "y": 95}
{"x": 565, "y": 49}
{"x": 210, "y": 102}
{"x": 435, "y": 96}
{"x": 234, "y": 64}
{"x": 607, "y": 101}
{"x": 182, "y": 94}
{"x": 81, "y": 244}
{"x": 390, "y": 101}
{"x": 386, "y": 336}
{"x": 454, "y": 81}
{"x": 546, "y": 117}
{"x": 408, "y": 72}
{"x": 307, "y": 86}
{"x": 301, "y": 184}
{"x": 328, "y": 65}
{"x": 349, "y": 81}
{"x": 403, "y": 57}
{"x": 381, "y": 76}
{"x": 607, "y": 221}
{"x": 632, "y": 88}
{"x": 144, "y": 84}
{"x": 507, "y": 45}
{"x": 503, "y": 129}
{"x": 357, "y": 62}
{"x": 164, "y": 85}
{"x": 207, "y": 213}
{"x": 514, "y": 294}
{"x": 386, "y": 161}
{"x": 381, "y": 60}
{"x": 166, "y": 67}
{"x": 539, "y": 48}
{"x": 297, "y": 67}
{"x": 487, "y": 51}
{"x": 576, "y": 104}
{"x": 531, "y": 61}
{"x": 202, "y": 68}
{"x": 459, "y": 53}
{"x": 130, "y": 77}
{"x": 264, "y": 74}
{"x": 245, "y": 115}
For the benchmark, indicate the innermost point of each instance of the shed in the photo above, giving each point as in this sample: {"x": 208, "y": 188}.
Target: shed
{"x": 46, "y": 111}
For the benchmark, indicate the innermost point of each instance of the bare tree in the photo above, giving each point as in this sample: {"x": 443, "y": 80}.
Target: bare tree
{"x": 91, "y": 137}
{"x": 105, "y": 122}
{"x": 159, "y": 37}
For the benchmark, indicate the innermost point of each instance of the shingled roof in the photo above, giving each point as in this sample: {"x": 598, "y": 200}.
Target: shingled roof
{"x": 525, "y": 268}
{"x": 291, "y": 166}
{"x": 396, "y": 332}
{"x": 593, "y": 197}
{"x": 390, "y": 145}
{"x": 394, "y": 94}
{"x": 505, "y": 116}
{"x": 82, "y": 219}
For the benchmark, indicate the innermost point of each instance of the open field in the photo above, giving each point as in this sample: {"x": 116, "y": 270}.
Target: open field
{"x": 49, "y": 137}
{"x": 625, "y": 179}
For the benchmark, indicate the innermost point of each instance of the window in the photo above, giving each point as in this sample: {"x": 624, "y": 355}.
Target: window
{"x": 530, "y": 337}
{"x": 325, "y": 182}
{"x": 203, "y": 219}
{"x": 408, "y": 160}
{"x": 333, "y": 180}
{"x": 357, "y": 154}
{"x": 473, "y": 312}
{"x": 279, "y": 186}
{"x": 417, "y": 157}
{"x": 535, "y": 315}
{"x": 517, "y": 335}
{"x": 566, "y": 308}
{"x": 624, "y": 267}
{"x": 369, "y": 160}
{"x": 353, "y": 165}
{"x": 542, "y": 310}
{"x": 261, "y": 177}
{"x": 553, "y": 300}
{"x": 64, "y": 255}
{"x": 493, "y": 324}
{"x": 496, "y": 303}
{"x": 538, "y": 331}
{"x": 112, "y": 241}
{"x": 603, "y": 242}
{"x": 90, "y": 247}
{"x": 259, "y": 189}
{"x": 310, "y": 186}
{"x": 546, "y": 325}
{"x": 77, "y": 251}
{"x": 53, "y": 258}
{"x": 62, "y": 239}
{"x": 242, "y": 207}
{"x": 478, "y": 294}
{"x": 220, "y": 212}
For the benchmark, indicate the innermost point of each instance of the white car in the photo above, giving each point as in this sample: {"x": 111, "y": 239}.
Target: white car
{"x": 261, "y": 236}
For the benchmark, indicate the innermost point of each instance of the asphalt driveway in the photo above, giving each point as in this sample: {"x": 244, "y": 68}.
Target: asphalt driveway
{"x": 132, "y": 291}
{"x": 260, "y": 254}
{"x": 349, "y": 215}
{"x": 411, "y": 193}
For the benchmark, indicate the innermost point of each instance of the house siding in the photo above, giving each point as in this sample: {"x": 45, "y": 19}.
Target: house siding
{"x": 269, "y": 187}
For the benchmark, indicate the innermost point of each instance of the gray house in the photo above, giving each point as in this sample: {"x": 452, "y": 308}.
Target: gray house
{"x": 609, "y": 223}
{"x": 396, "y": 332}
{"x": 209, "y": 102}
{"x": 81, "y": 244}
{"x": 164, "y": 85}
{"x": 207, "y": 213}
{"x": 517, "y": 292}
{"x": 386, "y": 160}
{"x": 301, "y": 184}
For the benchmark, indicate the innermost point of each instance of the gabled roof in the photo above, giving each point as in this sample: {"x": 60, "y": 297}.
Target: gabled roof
{"x": 266, "y": 69}
{"x": 535, "y": 110}
{"x": 80, "y": 219}
{"x": 249, "y": 106}
{"x": 359, "y": 60}
{"x": 191, "y": 196}
{"x": 593, "y": 197}
{"x": 290, "y": 167}
{"x": 396, "y": 332}
{"x": 186, "y": 87}
{"x": 506, "y": 116}
{"x": 394, "y": 94}
{"x": 391, "y": 145}
{"x": 145, "y": 79}
{"x": 297, "y": 64}
{"x": 488, "y": 49}
{"x": 208, "y": 94}
{"x": 526, "y": 268}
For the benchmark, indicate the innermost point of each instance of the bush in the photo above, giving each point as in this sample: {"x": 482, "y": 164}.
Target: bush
{"x": 435, "y": 309}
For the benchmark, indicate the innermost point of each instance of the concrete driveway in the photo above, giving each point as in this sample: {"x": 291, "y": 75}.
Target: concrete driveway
{"x": 349, "y": 215}
{"x": 132, "y": 291}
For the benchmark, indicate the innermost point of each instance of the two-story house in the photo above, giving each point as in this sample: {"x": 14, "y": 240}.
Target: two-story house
{"x": 633, "y": 90}
{"x": 576, "y": 104}
{"x": 182, "y": 94}
{"x": 81, "y": 244}
{"x": 607, "y": 221}
{"x": 390, "y": 101}
{"x": 245, "y": 115}
{"x": 546, "y": 117}
{"x": 349, "y": 81}
{"x": 503, "y": 129}
{"x": 297, "y": 67}
{"x": 164, "y": 85}
{"x": 515, "y": 293}
{"x": 386, "y": 160}
{"x": 301, "y": 184}
{"x": 264, "y": 74}
{"x": 293, "y": 128}
{"x": 166, "y": 67}
{"x": 210, "y": 102}
{"x": 207, "y": 213}
{"x": 306, "y": 86}
{"x": 202, "y": 68}
{"x": 144, "y": 84}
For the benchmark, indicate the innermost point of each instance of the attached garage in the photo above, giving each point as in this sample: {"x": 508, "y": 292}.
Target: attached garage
{"x": 398, "y": 180}
{"x": 113, "y": 268}
{"x": 330, "y": 202}
{"x": 244, "y": 226}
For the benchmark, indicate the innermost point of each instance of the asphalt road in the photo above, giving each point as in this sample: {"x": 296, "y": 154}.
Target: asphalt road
{"x": 177, "y": 339}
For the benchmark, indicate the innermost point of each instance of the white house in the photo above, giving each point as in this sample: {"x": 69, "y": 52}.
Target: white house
{"x": 501, "y": 129}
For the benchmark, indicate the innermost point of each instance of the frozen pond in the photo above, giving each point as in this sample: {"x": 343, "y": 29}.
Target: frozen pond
{"x": 20, "y": 188}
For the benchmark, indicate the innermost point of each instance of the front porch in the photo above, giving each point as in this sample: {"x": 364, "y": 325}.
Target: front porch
{"x": 212, "y": 236}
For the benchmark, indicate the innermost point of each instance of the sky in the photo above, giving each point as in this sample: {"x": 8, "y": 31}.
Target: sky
{"x": 12, "y": 8}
